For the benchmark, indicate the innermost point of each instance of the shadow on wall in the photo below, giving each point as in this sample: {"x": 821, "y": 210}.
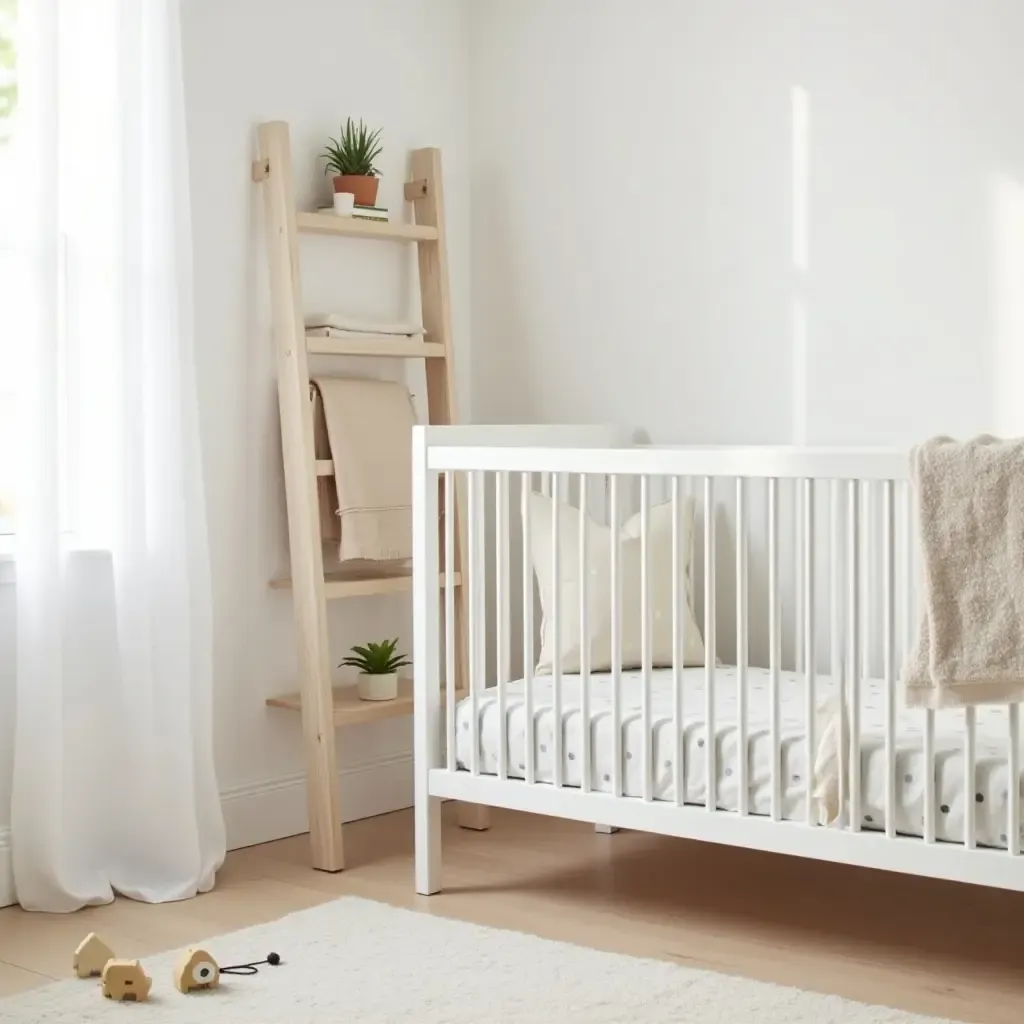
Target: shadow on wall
{"x": 1007, "y": 283}
{"x": 500, "y": 328}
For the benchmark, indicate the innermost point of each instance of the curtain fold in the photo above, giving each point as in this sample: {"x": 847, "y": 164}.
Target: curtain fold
{"x": 114, "y": 787}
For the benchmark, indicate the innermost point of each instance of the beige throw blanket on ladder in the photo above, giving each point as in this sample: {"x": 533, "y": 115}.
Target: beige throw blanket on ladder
{"x": 970, "y": 518}
{"x": 365, "y": 426}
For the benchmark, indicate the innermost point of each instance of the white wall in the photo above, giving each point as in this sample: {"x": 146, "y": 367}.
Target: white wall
{"x": 635, "y": 216}
{"x": 397, "y": 63}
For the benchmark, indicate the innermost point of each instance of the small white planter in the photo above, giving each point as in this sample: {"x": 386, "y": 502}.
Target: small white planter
{"x": 378, "y": 687}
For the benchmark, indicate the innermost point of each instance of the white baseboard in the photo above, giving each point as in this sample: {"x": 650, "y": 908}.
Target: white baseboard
{"x": 6, "y": 869}
{"x": 264, "y": 811}
{"x": 276, "y": 808}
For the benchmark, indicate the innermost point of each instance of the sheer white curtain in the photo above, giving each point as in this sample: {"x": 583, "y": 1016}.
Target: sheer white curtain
{"x": 114, "y": 786}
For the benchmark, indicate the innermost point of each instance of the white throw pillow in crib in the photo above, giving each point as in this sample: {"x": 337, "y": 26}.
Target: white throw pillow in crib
{"x": 599, "y": 624}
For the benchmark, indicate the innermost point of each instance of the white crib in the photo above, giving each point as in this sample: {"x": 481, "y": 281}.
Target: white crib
{"x": 816, "y": 547}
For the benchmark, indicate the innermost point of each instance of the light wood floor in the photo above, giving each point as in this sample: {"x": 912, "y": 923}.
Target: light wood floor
{"x": 930, "y": 947}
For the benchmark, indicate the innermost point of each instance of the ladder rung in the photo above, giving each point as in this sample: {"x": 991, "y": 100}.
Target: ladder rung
{"x": 350, "y": 710}
{"x": 325, "y": 467}
{"x": 377, "y": 345}
{"x": 363, "y": 583}
{"x": 357, "y": 227}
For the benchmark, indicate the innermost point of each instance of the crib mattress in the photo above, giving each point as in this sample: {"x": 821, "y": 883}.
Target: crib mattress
{"x": 989, "y": 791}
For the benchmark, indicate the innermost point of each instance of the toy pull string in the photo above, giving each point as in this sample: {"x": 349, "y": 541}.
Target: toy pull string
{"x": 272, "y": 958}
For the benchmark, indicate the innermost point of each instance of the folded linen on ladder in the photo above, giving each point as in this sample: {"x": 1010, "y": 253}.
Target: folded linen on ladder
{"x": 367, "y": 505}
{"x": 339, "y": 324}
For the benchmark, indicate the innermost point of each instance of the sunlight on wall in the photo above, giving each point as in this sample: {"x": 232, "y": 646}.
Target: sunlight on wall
{"x": 1007, "y": 369}
{"x": 800, "y": 106}
{"x": 800, "y": 114}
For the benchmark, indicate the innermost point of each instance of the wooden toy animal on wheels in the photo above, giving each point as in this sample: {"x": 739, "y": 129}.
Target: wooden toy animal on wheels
{"x": 196, "y": 970}
{"x": 126, "y": 981}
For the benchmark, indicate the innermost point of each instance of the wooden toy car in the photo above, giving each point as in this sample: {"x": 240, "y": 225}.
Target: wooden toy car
{"x": 196, "y": 970}
{"x": 91, "y": 956}
{"x": 125, "y": 980}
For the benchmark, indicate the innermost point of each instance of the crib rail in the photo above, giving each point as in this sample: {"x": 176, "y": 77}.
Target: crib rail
{"x": 662, "y": 461}
{"x": 802, "y": 566}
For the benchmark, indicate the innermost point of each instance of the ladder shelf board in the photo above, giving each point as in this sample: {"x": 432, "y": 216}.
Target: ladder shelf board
{"x": 350, "y": 710}
{"x": 357, "y": 227}
{"x": 364, "y": 582}
{"x": 373, "y": 345}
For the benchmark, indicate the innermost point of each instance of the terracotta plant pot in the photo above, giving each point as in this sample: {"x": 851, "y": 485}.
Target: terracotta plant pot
{"x": 378, "y": 687}
{"x": 362, "y": 186}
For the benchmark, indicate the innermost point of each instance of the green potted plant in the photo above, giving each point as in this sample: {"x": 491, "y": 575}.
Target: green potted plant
{"x": 378, "y": 666}
{"x": 350, "y": 157}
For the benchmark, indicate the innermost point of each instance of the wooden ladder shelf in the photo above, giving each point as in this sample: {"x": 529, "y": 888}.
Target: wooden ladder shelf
{"x": 324, "y": 707}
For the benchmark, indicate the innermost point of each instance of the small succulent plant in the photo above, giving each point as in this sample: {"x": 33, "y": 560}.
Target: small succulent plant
{"x": 353, "y": 151}
{"x": 377, "y": 659}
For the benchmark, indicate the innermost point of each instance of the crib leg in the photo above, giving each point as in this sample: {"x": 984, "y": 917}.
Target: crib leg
{"x": 474, "y": 816}
{"x": 606, "y": 829}
{"x": 428, "y": 846}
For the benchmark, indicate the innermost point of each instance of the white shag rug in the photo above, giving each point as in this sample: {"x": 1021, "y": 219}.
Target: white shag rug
{"x": 356, "y": 961}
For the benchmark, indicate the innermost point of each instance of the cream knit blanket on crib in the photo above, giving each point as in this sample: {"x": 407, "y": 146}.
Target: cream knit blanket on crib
{"x": 970, "y": 647}
{"x": 970, "y": 519}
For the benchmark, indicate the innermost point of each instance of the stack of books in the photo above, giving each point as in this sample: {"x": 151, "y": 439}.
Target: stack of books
{"x": 370, "y": 212}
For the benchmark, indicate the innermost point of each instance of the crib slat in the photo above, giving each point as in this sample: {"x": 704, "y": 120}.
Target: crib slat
{"x": 710, "y": 746}
{"x": 867, "y": 561}
{"x": 678, "y": 597}
{"x": 835, "y": 552}
{"x": 909, "y": 565}
{"x": 597, "y": 497}
{"x": 774, "y": 644}
{"x": 615, "y": 581}
{"x": 556, "y": 628}
{"x": 505, "y": 604}
{"x": 910, "y": 626}
{"x": 929, "y": 776}
{"x": 853, "y": 611}
{"x": 889, "y": 651}
{"x": 528, "y": 664}
{"x": 810, "y": 649}
{"x": 743, "y": 781}
{"x": 645, "y": 637}
{"x": 970, "y": 782}
{"x": 582, "y": 576}
{"x": 503, "y": 626}
{"x": 798, "y": 578}
{"x": 476, "y": 627}
{"x": 1013, "y": 780}
{"x": 449, "y": 617}
{"x": 837, "y": 654}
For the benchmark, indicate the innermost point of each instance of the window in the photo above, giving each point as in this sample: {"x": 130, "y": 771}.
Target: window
{"x": 8, "y": 67}
{"x": 8, "y": 108}
{"x": 71, "y": 267}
